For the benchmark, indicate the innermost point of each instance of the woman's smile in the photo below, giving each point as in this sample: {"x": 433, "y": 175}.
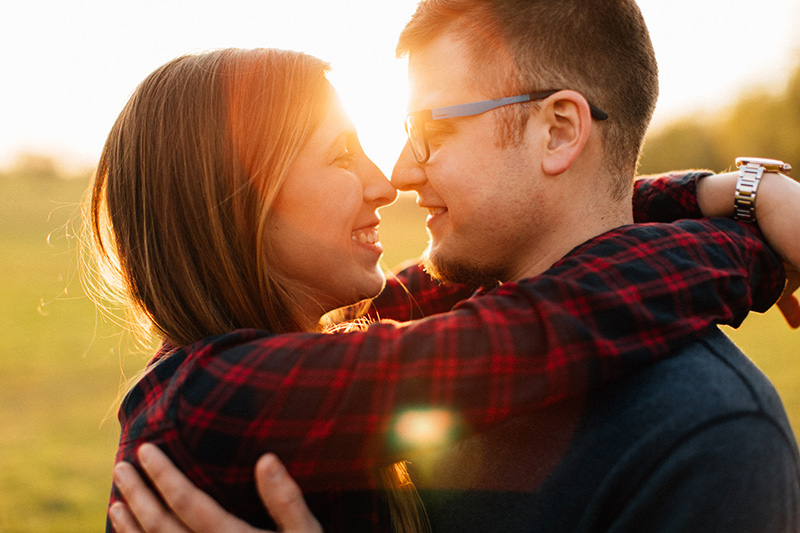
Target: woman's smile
{"x": 368, "y": 238}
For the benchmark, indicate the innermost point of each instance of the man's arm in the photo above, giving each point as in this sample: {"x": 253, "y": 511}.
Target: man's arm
{"x": 190, "y": 509}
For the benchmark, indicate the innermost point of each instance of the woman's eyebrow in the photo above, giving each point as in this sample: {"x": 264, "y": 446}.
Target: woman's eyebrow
{"x": 336, "y": 144}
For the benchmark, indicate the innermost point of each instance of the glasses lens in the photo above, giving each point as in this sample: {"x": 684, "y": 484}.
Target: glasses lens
{"x": 416, "y": 135}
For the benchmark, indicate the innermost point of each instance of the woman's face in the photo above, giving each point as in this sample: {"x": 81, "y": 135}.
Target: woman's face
{"x": 325, "y": 228}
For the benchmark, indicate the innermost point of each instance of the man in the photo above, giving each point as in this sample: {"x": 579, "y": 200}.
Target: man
{"x": 543, "y": 108}
{"x": 655, "y": 453}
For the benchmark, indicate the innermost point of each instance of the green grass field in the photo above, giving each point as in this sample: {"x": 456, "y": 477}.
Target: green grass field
{"x": 61, "y": 365}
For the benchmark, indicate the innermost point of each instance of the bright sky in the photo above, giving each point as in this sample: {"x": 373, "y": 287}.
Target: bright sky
{"x": 69, "y": 66}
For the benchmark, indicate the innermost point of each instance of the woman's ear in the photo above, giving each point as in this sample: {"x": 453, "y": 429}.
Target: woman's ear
{"x": 568, "y": 121}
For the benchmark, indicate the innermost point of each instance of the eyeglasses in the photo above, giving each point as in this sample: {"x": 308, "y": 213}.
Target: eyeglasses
{"x": 416, "y": 120}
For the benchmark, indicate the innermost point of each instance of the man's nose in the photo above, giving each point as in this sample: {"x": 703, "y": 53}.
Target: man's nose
{"x": 407, "y": 174}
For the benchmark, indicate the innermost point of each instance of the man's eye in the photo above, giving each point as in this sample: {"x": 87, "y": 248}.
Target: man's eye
{"x": 436, "y": 137}
{"x": 436, "y": 134}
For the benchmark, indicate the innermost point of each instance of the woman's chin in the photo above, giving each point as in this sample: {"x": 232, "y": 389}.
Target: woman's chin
{"x": 372, "y": 285}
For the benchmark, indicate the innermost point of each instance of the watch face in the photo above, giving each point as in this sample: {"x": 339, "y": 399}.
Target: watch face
{"x": 769, "y": 164}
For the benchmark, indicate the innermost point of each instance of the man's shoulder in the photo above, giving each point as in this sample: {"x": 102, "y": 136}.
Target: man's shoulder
{"x": 709, "y": 378}
{"x": 661, "y": 447}
{"x": 704, "y": 422}
{"x": 708, "y": 406}
{"x": 700, "y": 433}
{"x": 707, "y": 385}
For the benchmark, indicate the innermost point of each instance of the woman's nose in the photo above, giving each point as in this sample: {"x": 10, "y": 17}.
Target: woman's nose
{"x": 376, "y": 187}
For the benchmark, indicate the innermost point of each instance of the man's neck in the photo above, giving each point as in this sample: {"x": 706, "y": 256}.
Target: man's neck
{"x": 584, "y": 220}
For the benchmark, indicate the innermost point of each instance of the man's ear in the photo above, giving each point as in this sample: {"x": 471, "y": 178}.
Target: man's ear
{"x": 568, "y": 121}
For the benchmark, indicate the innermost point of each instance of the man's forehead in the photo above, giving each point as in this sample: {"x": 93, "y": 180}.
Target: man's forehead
{"x": 442, "y": 73}
{"x": 446, "y": 71}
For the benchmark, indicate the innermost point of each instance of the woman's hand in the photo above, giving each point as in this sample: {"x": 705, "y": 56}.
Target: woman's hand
{"x": 191, "y": 510}
{"x": 788, "y": 303}
{"x": 778, "y": 217}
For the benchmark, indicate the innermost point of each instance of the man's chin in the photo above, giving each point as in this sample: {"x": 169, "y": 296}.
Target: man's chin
{"x": 459, "y": 271}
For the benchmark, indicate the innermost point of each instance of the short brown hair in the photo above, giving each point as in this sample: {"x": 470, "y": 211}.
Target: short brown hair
{"x": 182, "y": 196}
{"x": 600, "y": 48}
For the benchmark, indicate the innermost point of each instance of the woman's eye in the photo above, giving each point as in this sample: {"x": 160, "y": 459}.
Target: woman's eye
{"x": 345, "y": 158}
{"x": 349, "y": 150}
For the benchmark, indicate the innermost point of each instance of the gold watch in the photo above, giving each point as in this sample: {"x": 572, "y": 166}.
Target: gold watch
{"x": 750, "y": 171}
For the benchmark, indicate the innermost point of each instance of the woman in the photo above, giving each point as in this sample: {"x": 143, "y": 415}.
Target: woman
{"x": 233, "y": 207}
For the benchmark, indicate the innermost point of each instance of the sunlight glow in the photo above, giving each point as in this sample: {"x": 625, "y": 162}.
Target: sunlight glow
{"x": 378, "y": 113}
{"x": 72, "y": 65}
{"x": 424, "y": 428}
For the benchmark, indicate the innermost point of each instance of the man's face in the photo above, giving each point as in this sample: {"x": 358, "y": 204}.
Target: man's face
{"x": 483, "y": 200}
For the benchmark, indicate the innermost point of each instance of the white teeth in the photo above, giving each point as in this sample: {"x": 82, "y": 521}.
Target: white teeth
{"x": 365, "y": 236}
{"x": 436, "y": 210}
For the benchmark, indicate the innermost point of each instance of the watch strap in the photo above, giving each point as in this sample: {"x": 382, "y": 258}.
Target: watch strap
{"x": 744, "y": 202}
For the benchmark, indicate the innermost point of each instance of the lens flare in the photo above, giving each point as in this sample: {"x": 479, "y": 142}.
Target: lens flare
{"x": 424, "y": 428}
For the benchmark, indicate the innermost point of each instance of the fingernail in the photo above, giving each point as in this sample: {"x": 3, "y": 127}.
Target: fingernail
{"x": 273, "y": 467}
{"x": 115, "y": 513}
{"x": 120, "y": 476}
{"x": 144, "y": 453}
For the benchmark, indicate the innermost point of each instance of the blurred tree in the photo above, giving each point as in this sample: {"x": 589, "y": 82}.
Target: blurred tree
{"x": 760, "y": 123}
{"x": 686, "y": 143}
{"x": 755, "y": 126}
{"x": 34, "y": 165}
{"x": 791, "y": 118}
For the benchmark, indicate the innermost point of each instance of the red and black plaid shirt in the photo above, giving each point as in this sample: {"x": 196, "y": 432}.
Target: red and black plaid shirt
{"x": 325, "y": 403}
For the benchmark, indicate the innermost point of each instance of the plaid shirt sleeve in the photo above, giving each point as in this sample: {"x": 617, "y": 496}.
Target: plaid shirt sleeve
{"x": 327, "y": 404}
{"x": 411, "y": 293}
{"x": 668, "y": 197}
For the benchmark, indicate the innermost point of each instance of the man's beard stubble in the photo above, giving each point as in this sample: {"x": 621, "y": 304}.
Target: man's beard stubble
{"x": 460, "y": 271}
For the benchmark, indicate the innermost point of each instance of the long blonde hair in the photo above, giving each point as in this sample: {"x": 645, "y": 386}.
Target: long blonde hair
{"x": 183, "y": 193}
{"x": 177, "y": 221}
